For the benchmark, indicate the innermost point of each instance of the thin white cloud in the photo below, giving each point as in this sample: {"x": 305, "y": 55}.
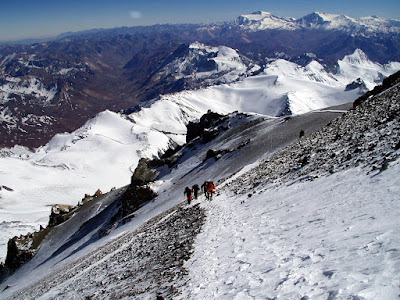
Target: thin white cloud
{"x": 135, "y": 14}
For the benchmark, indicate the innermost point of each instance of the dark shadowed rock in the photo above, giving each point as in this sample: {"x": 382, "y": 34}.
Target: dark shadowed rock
{"x": 134, "y": 198}
{"x": 20, "y": 250}
{"x": 202, "y": 128}
{"x": 143, "y": 173}
{"x": 358, "y": 83}
{"x": 60, "y": 214}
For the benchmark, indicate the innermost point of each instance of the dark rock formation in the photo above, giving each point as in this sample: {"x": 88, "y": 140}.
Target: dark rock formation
{"x": 138, "y": 191}
{"x": 203, "y": 128}
{"x": 358, "y": 83}
{"x": 20, "y": 250}
{"x": 143, "y": 173}
{"x": 134, "y": 198}
{"x": 60, "y": 214}
{"x": 387, "y": 83}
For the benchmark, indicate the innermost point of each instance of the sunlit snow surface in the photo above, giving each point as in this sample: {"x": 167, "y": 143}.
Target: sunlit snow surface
{"x": 335, "y": 237}
{"x": 103, "y": 153}
{"x": 262, "y": 20}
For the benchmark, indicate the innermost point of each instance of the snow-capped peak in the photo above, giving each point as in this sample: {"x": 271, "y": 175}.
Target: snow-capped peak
{"x": 209, "y": 65}
{"x": 262, "y": 20}
{"x": 317, "y": 20}
{"x": 358, "y": 58}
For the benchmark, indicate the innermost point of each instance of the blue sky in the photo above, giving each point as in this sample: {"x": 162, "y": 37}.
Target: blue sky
{"x": 21, "y": 19}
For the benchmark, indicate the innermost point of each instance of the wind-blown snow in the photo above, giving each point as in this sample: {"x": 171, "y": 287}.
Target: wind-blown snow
{"x": 103, "y": 153}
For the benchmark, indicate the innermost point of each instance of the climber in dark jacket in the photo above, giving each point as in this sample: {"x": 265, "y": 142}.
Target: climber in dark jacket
{"x": 188, "y": 193}
{"x": 195, "y": 189}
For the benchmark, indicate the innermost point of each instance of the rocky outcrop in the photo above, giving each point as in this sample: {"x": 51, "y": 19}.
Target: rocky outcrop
{"x": 133, "y": 199}
{"x": 20, "y": 250}
{"x": 204, "y": 127}
{"x": 358, "y": 83}
{"x": 60, "y": 213}
{"x": 6, "y": 188}
{"x": 143, "y": 173}
{"x": 88, "y": 197}
{"x": 138, "y": 192}
{"x": 387, "y": 83}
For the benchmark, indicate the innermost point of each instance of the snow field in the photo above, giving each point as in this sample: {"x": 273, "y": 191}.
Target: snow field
{"x": 336, "y": 236}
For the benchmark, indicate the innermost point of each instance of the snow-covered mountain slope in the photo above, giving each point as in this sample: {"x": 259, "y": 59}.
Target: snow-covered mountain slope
{"x": 323, "y": 227}
{"x": 308, "y": 87}
{"x": 332, "y": 238}
{"x": 203, "y": 65}
{"x": 255, "y": 134}
{"x": 103, "y": 153}
{"x": 287, "y": 88}
{"x": 310, "y": 234}
{"x": 366, "y": 25}
{"x": 263, "y": 20}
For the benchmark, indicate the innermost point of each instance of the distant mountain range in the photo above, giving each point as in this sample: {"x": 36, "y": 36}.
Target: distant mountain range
{"x": 56, "y": 86}
{"x": 262, "y": 20}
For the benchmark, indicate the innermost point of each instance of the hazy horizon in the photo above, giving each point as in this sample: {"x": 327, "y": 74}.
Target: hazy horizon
{"x": 45, "y": 18}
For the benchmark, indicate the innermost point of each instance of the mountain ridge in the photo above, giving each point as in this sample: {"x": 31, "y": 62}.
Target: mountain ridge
{"x": 262, "y": 20}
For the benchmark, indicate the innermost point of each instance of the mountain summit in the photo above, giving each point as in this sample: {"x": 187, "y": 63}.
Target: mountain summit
{"x": 323, "y": 21}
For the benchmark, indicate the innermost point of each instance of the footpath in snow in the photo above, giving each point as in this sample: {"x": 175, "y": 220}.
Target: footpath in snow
{"x": 336, "y": 237}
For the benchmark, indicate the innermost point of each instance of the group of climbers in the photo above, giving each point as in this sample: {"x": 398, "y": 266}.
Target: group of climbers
{"x": 208, "y": 188}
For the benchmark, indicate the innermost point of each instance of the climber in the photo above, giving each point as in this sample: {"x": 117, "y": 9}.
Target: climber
{"x": 188, "y": 193}
{"x": 208, "y": 187}
{"x": 195, "y": 189}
